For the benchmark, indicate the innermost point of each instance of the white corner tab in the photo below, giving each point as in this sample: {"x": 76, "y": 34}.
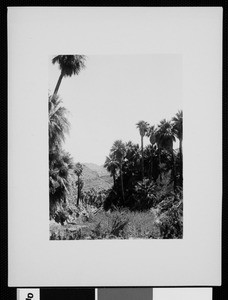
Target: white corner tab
{"x": 28, "y": 294}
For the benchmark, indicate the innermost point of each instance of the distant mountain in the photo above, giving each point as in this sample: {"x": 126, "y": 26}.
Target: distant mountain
{"x": 99, "y": 169}
{"x": 95, "y": 176}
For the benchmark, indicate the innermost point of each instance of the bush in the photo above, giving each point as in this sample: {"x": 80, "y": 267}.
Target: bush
{"x": 144, "y": 195}
{"x": 66, "y": 234}
{"x": 170, "y": 220}
{"x": 117, "y": 226}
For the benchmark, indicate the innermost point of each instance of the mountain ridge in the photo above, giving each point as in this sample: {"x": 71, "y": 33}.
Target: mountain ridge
{"x": 96, "y": 177}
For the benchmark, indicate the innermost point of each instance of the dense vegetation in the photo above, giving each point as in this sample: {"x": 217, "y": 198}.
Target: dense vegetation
{"x": 145, "y": 200}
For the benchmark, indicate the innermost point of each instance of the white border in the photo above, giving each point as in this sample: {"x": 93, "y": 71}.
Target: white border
{"x": 34, "y": 34}
{"x": 182, "y": 294}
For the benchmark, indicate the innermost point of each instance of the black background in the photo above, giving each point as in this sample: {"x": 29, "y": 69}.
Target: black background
{"x": 67, "y": 294}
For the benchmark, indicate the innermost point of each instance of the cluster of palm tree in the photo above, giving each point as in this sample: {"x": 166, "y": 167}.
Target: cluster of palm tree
{"x": 131, "y": 165}
{"x": 137, "y": 171}
{"x": 61, "y": 164}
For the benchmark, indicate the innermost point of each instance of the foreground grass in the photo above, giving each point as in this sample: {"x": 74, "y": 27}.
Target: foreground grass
{"x": 121, "y": 224}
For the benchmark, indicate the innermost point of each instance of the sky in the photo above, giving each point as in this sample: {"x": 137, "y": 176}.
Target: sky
{"x": 113, "y": 93}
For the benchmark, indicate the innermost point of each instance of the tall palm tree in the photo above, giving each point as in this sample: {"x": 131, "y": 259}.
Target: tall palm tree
{"x": 58, "y": 123}
{"x": 165, "y": 135}
{"x": 78, "y": 171}
{"x": 69, "y": 65}
{"x": 143, "y": 128}
{"x": 178, "y": 131}
{"x": 111, "y": 165}
{"x": 118, "y": 152}
{"x": 151, "y": 133}
{"x": 164, "y": 138}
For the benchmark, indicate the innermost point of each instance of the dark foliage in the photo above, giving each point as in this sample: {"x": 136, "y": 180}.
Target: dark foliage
{"x": 70, "y": 64}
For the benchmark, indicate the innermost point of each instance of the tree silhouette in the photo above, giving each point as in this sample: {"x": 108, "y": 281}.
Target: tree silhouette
{"x": 178, "y": 131}
{"x": 117, "y": 152}
{"x": 78, "y": 171}
{"x": 111, "y": 165}
{"x": 58, "y": 123}
{"x": 60, "y": 162}
{"x": 143, "y": 128}
{"x": 151, "y": 133}
{"x": 60, "y": 165}
{"x": 160, "y": 162}
{"x": 69, "y": 65}
{"x": 165, "y": 137}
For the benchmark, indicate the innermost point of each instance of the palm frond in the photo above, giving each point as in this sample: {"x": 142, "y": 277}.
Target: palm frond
{"x": 143, "y": 127}
{"x": 58, "y": 122}
{"x": 70, "y": 64}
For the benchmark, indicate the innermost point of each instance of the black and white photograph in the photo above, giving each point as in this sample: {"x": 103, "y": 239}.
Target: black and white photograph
{"x": 115, "y": 147}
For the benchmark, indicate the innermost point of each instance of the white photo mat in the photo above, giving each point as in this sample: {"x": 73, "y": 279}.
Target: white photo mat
{"x": 35, "y": 33}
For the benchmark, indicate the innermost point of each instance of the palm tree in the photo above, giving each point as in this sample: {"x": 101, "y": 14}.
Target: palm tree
{"x": 165, "y": 135}
{"x": 69, "y": 65}
{"x": 143, "y": 128}
{"x": 60, "y": 166}
{"x": 78, "y": 171}
{"x": 151, "y": 133}
{"x": 118, "y": 152}
{"x": 164, "y": 138}
{"x": 60, "y": 162}
{"x": 58, "y": 123}
{"x": 178, "y": 131}
{"x": 132, "y": 156}
{"x": 111, "y": 165}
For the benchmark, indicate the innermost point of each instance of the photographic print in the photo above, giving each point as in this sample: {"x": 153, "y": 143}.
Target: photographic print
{"x": 115, "y": 147}
{"x": 113, "y": 152}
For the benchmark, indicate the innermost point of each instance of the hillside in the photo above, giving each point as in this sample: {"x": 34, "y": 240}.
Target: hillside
{"x": 101, "y": 171}
{"x": 96, "y": 177}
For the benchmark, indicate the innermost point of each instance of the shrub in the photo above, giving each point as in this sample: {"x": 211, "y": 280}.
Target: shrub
{"x": 170, "y": 220}
{"x": 66, "y": 234}
{"x": 117, "y": 226}
{"x": 144, "y": 195}
{"x": 60, "y": 214}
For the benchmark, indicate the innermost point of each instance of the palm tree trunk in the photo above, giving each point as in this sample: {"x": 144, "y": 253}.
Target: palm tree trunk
{"x": 58, "y": 83}
{"x": 114, "y": 179}
{"x": 78, "y": 192}
{"x": 174, "y": 172}
{"x": 122, "y": 186}
{"x": 159, "y": 163}
{"x": 142, "y": 157}
{"x": 181, "y": 163}
{"x": 151, "y": 165}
